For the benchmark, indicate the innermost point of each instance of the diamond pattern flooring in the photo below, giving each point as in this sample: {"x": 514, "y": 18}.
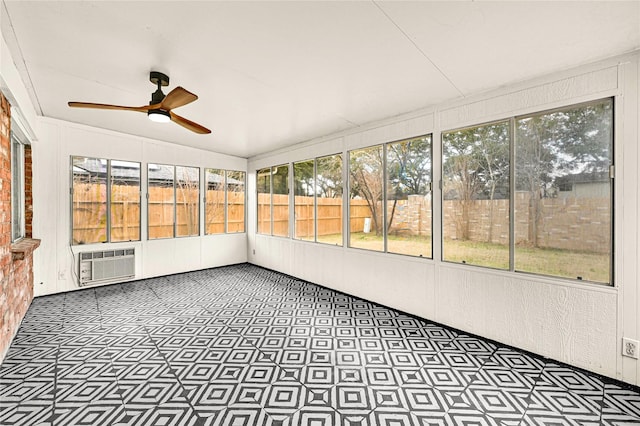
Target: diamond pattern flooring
{"x": 241, "y": 345}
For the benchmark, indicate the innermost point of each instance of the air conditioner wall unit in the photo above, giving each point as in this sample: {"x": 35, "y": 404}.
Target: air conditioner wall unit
{"x": 105, "y": 266}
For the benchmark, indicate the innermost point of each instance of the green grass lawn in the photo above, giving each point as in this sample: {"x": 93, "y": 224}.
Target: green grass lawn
{"x": 589, "y": 266}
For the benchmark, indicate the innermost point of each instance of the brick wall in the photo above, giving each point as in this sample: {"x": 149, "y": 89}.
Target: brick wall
{"x": 28, "y": 194}
{"x": 16, "y": 260}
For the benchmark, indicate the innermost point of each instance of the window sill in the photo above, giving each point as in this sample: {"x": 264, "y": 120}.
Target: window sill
{"x": 23, "y": 248}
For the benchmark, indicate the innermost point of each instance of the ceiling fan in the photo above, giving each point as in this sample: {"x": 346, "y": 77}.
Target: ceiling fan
{"x": 160, "y": 108}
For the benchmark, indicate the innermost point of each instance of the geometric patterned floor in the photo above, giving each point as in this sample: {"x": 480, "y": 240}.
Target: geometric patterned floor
{"x": 241, "y": 345}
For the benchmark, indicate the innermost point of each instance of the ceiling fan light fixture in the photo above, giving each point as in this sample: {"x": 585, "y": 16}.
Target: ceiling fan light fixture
{"x": 159, "y": 116}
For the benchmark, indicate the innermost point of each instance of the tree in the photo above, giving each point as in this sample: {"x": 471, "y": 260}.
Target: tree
{"x": 329, "y": 176}
{"x": 303, "y": 178}
{"x": 550, "y": 148}
{"x": 475, "y": 167}
{"x": 408, "y": 171}
{"x": 365, "y": 172}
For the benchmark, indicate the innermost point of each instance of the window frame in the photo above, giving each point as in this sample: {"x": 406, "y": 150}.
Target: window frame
{"x": 271, "y": 193}
{"x": 108, "y": 204}
{"x": 270, "y": 230}
{"x": 512, "y": 135}
{"x": 149, "y": 198}
{"x": 384, "y": 196}
{"x": 225, "y": 203}
{"x": 509, "y": 124}
{"x": 176, "y": 204}
{"x": 110, "y": 194}
{"x": 612, "y": 162}
{"x": 342, "y": 192}
{"x": 174, "y": 167}
{"x": 18, "y": 196}
{"x": 244, "y": 201}
{"x": 315, "y": 204}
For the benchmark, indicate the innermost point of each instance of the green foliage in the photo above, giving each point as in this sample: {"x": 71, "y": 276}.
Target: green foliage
{"x": 552, "y": 146}
{"x": 365, "y": 179}
{"x": 329, "y": 176}
{"x": 303, "y": 178}
{"x": 408, "y": 168}
{"x": 476, "y": 163}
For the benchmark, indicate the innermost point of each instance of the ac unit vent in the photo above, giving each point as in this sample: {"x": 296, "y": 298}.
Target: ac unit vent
{"x": 106, "y": 266}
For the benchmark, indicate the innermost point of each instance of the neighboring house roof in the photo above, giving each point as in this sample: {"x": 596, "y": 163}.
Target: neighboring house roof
{"x": 155, "y": 172}
{"x": 586, "y": 177}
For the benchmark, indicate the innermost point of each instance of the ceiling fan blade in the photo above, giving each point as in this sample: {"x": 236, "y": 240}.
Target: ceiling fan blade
{"x": 188, "y": 124}
{"x": 177, "y": 98}
{"x": 144, "y": 108}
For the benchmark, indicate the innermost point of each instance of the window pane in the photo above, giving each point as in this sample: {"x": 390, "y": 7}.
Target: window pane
{"x": 235, "y": 201}
{"x": 563, "y": 192}
{"x": 365, "y": 198}
{"x": 214, "y": 197}
{"x": 280, "y": 200}
{"x": 409, "y": 197}
{"x": 89, "y": 200}
{"x": 263, "y": 182}
{"x": 161, "y": 207}
{"x": 475, "y": 217}
{"x": 304, "y": 200}
{"x": 17, "y": 189}
{"x": 125, "y": 201}
{"x": 329, "y": 199}
{"x": 187, "y": 201}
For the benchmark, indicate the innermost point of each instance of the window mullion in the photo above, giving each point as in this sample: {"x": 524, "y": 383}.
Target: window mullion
{"x": 226, "y": 201}
{"x": 175, "y": 202}
{"x": 512, "y": 193}
{"x": 384, "y": 198}
{"x": 108, "y": 200}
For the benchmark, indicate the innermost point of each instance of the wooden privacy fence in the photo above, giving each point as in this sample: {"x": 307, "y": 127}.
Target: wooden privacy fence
{"x": 329, "y": 212}
{"x": 90, "y": 214}
{"x": 571, "y": 223}
{"x": 329, "y": 215}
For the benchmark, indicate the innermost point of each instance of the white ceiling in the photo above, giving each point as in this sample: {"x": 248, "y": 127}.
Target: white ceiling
{"x": 270, "y": 74}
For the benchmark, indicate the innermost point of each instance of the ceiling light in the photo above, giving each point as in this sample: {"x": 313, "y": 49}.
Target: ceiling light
{"x": 159, "y": 116}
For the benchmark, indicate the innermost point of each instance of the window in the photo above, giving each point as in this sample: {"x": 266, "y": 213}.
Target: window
{"x": 390, "y": 197}
{"x": 263, "y": 183}
{"x": 214, "y": 201}
{"x": 173, "y": 201}
{"x": 187, "y": 201}
{"x": 161, "y": 201}
{"x": 224, "y": 201}
{"x": 235, "y": 201}
{"x": 304, "y": 191}
{"x": 408, "y": 175}
{"x": 328, "y": 192}
{"x": 365, "y": 198}
{"x": 105, "y": 200}
{"x": 475, "y": 206}
{"x": 318, "y": 199}
{"x": 280, "y": 200}
{"x": 563, "y": 192}
{"x": 559, "y": 162}
{"x": 17, "y": 189}
{"x": 125, "y": 201}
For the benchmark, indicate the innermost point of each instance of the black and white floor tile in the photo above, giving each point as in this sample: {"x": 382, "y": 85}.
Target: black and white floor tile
{"x": 241, "y": 345}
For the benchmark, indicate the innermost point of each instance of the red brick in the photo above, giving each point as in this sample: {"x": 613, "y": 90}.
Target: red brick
{"x": 16, "y": 278}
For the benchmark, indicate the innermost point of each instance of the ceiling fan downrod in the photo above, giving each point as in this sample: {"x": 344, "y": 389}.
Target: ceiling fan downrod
{"x": 160, "y": 80}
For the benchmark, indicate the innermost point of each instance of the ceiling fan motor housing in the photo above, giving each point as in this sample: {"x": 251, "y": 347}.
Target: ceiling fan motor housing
{"x": 161, "y": 80}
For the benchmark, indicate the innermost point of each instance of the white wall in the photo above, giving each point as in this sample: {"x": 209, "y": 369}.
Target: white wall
{"x": 577, "y": 323}
{"x": 55, "y": 261}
